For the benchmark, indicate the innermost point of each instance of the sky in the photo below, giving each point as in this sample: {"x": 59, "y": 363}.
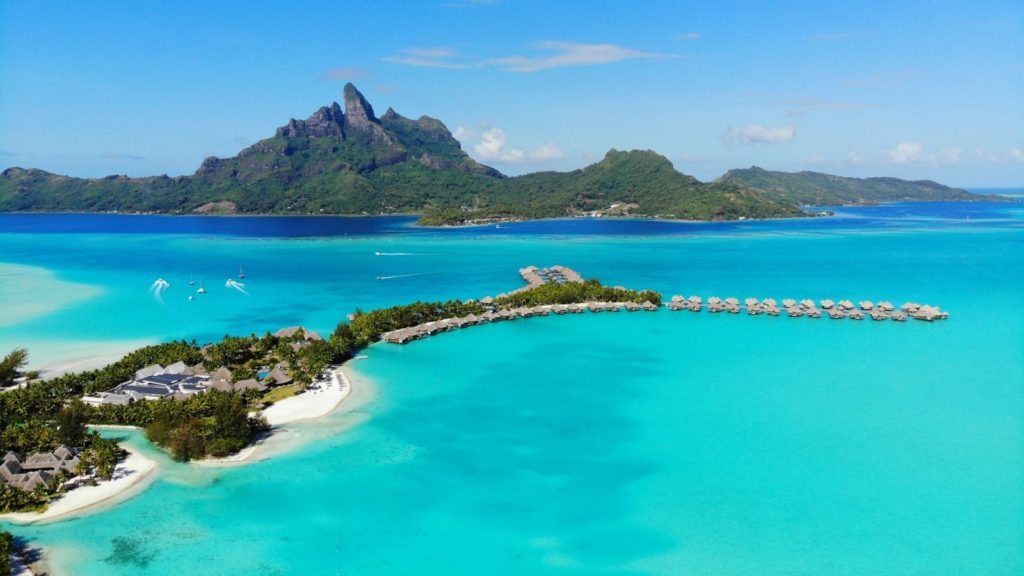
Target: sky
{"x": 920, "y": 90}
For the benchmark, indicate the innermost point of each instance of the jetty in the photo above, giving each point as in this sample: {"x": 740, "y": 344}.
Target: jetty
{"x": 535, "y": 277}
{"x": 844, "y": 309}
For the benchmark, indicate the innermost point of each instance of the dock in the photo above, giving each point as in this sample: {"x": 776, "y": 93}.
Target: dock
{"x": 843, "y": 309}
{"x": 790, "y": 308}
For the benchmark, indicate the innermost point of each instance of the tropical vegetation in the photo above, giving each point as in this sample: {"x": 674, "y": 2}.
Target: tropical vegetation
{"x": 351, "y": 162}
{"x": 818, "y": 189}
{"x": 576, "y": 292}
{"x": 6, "y": 551}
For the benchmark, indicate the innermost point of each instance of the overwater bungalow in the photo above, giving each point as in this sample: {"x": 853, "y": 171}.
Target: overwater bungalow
{"x": 866, "y": 305}
{"x": 846, "y": 305}
{"x": 649, "y": 306}
{"x": 910, "y": 307}
{"x": 878, "y": 315}
{"x": 788, "y": 303}
{"x": 886, "y": 306}
{"x": 794, "y": 312}
{"x": 769, "y": 303}
{"x": 827, "y": 304}
{"x": 929, "y": 313}
{"x": 899, "y": 316}
{"x": 836, "y": 314}
{"x": 632, "y": 307}
{"x": 807, "y": 303}
{"x": 813, "y": 313}
{"x": 856, "y": 315}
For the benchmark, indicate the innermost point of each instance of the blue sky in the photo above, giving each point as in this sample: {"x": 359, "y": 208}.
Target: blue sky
{"x": 909, "y": 89}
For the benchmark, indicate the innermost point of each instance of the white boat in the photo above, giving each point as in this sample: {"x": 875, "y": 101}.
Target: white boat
{"x": 241, "y": 272}
{"x": 191, "y": 281}
{"x": 201, "y": 289}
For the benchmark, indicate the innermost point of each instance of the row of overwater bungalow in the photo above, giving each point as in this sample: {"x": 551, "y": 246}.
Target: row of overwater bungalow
{"x": 404, "y": 335}
{"x": 883, "y": 310}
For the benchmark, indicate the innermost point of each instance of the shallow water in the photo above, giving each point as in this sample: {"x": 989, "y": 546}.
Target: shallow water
{"x": 661, "y": 443}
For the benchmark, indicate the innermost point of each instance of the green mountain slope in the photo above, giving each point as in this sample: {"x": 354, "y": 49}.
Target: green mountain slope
{"x": 817, "y": 189}
{"x": 346, "y": 160}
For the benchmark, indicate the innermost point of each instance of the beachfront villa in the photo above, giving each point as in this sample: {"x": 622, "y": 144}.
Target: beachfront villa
{"x": 178, "y": 381}
{"x": 38, "y": 469}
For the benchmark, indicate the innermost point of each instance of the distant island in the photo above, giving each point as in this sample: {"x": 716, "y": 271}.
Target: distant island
{"x": 349, "y": 161}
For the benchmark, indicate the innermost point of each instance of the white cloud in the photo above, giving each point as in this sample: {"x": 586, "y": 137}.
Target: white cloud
{"x": 572, "y": 54}
{"x": 1016, "y": 155}
{"x": 905, "y": 153}
{"x": 548, "y": 152}
{"x": 757, "y": 134}
{"x": 854, "y": 158}
{"x": 463, "y": 134}
{"x": 493, "y": 147}
{"x": 689, "y": 36}
{"x": 429, "y": 57}
{"x": 555, "y": 54}
{"x": 914, "y": 153}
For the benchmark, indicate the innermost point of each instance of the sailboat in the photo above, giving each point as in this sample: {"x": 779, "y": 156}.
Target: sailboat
{"x": 191, "y": 281}
{"x": 241, "y": 272}
{"x": 201, "y": 289}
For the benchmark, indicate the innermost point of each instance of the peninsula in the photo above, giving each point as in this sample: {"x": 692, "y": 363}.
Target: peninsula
{"x": 344, "y": 159}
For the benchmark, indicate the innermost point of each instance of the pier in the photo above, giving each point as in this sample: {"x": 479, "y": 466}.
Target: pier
{"x": 791, "y": 308}
{"x": 884, "y": 310}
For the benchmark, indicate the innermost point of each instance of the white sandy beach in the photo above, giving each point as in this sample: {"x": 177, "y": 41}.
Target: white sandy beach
{"x": 129, "y": 477}
{"x": 306, "y": 406}
{"x": 312, "y": 403}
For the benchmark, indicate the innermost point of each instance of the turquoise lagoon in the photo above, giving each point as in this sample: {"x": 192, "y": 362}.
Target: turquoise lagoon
{"x": 664, "y": 443}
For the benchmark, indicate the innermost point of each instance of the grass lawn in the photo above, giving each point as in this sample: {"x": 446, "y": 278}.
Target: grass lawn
{"x": 280, "y": 393}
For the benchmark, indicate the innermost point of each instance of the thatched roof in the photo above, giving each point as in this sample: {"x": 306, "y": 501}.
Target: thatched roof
{"x": 280, "y": 377}
{"x": 250, "y": 384}
{"x": 150, "y": 370}
{"x": 221, "y": 373}
{"x": 678, "y": 298}
{"x": 222, "y": 385}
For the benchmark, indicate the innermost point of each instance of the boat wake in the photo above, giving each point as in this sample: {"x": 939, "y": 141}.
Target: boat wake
{"x": 394, "y": 254}
{"x": 404, "y": 275}
{"x": 236, "y": 285}
{"x": 157, "y": 289}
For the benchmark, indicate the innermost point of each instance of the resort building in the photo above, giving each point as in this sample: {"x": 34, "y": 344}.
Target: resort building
{"x": 178, "y": 381}
{"x": 38, "y": 469}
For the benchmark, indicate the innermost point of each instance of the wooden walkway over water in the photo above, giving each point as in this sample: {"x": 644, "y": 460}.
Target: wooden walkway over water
{"x": 791, "y": 308}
